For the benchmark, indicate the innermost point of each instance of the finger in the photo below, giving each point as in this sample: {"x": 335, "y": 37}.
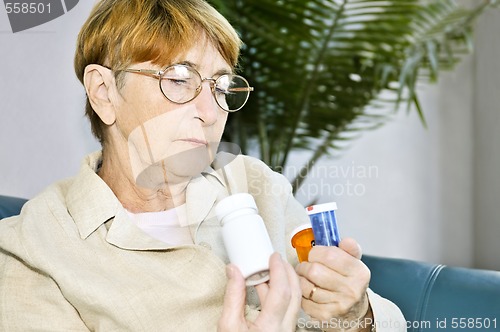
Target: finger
{"x": 319, "y": 275}
{"x": 234, "y": 300}
{"x": 289, "y": 321}
{"x": 275, "y": 304}
{"x": 314, "y": 293}
{"x": 345, "y": 309}
{"x": 296, "y": 296}
{"x": 331, "y": 280}
{"x": 352, "y": 247}
{"x": 336, "y": 259}
{"x": 321, "y": 312}
{"x": 293, "y": 305}
{"x": 262, "y": 290}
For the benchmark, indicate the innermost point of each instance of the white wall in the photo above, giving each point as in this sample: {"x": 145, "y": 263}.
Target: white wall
{"x": 426, "y": 194}
{"x": 43, "y": 134}
{"x": 436, "y": 194}
{"x": 410, "y": 193}
{"x": 487, "y": 143}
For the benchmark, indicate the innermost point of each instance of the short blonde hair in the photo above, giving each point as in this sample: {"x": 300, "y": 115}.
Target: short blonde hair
{"x": 119, "y": 33}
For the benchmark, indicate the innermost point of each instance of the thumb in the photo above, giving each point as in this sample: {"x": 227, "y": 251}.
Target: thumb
{"x": 352, "y": 247}
{"x": 233, "y": 310}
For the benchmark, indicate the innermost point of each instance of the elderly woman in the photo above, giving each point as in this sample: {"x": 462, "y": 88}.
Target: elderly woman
{"x": 131, "y": 243}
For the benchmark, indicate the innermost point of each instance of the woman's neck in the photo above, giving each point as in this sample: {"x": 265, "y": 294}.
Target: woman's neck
{"x": 158, "y": 194}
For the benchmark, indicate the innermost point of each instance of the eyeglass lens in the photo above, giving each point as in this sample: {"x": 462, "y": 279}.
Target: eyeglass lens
{"x": 180, "y": 84}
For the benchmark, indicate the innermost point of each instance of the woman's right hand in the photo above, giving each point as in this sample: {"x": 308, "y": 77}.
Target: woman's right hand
{"x": 280, "y": 300}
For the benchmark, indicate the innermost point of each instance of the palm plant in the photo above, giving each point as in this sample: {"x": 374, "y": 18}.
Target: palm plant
{"x": 324, "y": 70}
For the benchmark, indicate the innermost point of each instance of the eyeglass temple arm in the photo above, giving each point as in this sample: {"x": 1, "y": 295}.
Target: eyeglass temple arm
{"x": 240, "y": 89}
{"x": 148, "y": 72}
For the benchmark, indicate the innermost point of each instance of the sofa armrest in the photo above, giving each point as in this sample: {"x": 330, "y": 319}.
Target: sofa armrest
{"x": 10, "y": 206}
{"x": 432, "y": 294}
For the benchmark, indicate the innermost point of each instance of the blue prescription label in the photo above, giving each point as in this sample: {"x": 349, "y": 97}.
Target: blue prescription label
{"x": 324, "y": 224}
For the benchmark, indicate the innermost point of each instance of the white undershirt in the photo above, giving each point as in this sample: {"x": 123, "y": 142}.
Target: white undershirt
{"x": 168, "y": 226}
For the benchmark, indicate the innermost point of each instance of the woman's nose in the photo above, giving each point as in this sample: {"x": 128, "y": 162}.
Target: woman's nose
{"x": 206, "y": 106}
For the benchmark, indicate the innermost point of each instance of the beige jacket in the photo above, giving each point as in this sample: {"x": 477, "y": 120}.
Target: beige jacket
{"x": 73, "y": 261}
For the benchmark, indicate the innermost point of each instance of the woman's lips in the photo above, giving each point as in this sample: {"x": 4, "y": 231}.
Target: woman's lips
{"x": 194, "y": 141}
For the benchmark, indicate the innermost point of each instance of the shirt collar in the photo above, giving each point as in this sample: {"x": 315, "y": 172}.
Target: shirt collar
{"x": 89, "y": 200}
{"x": 91, "y": 203}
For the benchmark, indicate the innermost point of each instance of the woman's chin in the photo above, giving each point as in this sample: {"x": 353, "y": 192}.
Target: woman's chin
{"x": 178, "y": 167}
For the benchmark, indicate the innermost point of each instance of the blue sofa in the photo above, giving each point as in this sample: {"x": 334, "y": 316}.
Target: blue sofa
{"x": 432, "y": 297}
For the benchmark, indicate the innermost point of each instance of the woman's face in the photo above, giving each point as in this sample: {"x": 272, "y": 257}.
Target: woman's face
{"x": 167, "y": 140}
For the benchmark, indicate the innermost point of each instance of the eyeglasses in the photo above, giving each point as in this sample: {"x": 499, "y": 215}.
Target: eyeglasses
{"x": 181, "y": 83}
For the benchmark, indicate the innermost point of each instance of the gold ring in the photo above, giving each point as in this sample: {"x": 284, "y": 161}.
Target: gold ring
{"x": 311, "y": 293}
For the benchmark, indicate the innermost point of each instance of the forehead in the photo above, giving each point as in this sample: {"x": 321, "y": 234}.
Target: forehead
{"x": 204, "y": 57}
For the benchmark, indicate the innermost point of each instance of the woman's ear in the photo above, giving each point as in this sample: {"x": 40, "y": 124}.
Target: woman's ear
{"x": 98, "y": 82}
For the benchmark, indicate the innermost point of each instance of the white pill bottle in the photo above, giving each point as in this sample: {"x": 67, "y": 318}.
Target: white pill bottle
{"x": 245, "y": 237}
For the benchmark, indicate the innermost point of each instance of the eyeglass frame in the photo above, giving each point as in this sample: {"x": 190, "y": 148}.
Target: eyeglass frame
{"x": 213, "y": 82}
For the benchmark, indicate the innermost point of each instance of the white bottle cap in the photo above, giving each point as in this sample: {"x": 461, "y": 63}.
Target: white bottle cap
{"x": 313, "y": 209}
{"x": 298, "y": 229}
{"x": 233, "y": 203}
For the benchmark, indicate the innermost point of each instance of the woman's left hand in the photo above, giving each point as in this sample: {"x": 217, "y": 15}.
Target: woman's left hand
{"x": 334, "y": 283}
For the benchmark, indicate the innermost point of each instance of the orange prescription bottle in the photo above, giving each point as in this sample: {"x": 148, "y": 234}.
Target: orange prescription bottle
{"x": 303, "y": 240}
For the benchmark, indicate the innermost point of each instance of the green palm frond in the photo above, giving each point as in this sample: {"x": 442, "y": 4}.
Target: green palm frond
{"x": 324, "y": 70}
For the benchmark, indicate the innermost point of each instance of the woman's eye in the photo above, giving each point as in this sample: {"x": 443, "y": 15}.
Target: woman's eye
{"x": 178, "y": 81}
{"x": 221, "y": 91}
{"x": 224, "y": 90}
